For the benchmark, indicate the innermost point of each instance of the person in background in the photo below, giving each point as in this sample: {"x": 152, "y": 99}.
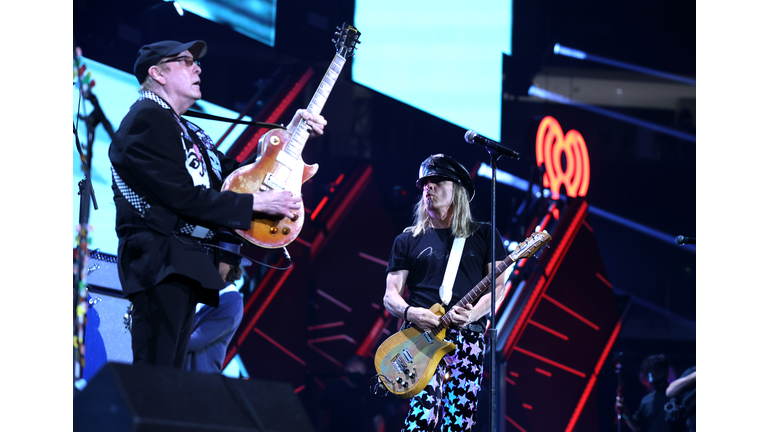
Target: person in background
{"x": 215, "y": 326}
{"x": 681, "y": 408}
{"x": 650, "y": 415}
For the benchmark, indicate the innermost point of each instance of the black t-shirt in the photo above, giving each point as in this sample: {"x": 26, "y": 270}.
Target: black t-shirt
{"x": 426, "y": 257}
{"x": 650, "y": 414}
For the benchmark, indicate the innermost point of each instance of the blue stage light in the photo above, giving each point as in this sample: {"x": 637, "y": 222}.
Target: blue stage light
{"x": 544, "y": 94}
{"x": 569, "y": 52}
{"x": 178, "y": 7}
{"x": 581, "y": 55}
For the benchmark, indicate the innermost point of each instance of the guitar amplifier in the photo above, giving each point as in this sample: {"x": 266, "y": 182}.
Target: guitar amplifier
{"x": 107, "y": 333}
{"x": 107, "y": 337}
{"x": 101, "y": 273}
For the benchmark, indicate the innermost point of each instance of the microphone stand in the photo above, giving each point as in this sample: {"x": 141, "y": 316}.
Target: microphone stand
{"x": 495, "y": 153}
{"x": 492, "y": 330}
{"x": 620, "y": 388}
{"x": 79, "y": 295}
{"x": 86, "y": 192}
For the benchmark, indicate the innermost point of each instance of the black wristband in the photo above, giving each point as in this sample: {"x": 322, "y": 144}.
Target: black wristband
{"x": 405, "y": 313}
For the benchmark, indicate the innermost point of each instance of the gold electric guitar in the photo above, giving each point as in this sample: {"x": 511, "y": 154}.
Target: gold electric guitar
{"x": 406, "y": 361}
{"x": 280, "y": 165}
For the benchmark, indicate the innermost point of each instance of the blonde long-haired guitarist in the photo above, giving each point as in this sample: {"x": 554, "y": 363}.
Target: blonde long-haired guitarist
{"x": 418, "y": 260}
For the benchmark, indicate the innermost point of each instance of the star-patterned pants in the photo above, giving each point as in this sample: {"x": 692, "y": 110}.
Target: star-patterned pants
{"x": 449, "y": 401}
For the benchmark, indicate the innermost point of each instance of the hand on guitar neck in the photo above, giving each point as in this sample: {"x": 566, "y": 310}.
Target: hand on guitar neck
{"x": 462, "y": 316}
{"x": 313, "y": 122}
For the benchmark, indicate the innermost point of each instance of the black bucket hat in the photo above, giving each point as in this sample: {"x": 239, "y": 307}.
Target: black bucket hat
{"x": 444, "y": 166}
{"x": 150, "y": 55}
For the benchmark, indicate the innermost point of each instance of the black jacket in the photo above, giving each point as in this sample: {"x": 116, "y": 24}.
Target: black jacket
{"x": 149, "y": 154}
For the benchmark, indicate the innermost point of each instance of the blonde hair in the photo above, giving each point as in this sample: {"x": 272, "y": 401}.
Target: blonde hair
{"x": 462, "y": 224}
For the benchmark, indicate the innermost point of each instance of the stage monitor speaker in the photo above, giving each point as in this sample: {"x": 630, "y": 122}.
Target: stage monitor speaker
{"x": 142, "y": 398}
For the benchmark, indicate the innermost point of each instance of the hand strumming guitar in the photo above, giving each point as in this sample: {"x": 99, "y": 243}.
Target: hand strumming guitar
{"x": 278, "y": 203}
{"x": 423, "y": 318}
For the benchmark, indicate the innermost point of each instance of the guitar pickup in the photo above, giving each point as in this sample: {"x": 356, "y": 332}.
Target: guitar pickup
{"x": 428, "y": 337}
{"x": 271, "y": 183}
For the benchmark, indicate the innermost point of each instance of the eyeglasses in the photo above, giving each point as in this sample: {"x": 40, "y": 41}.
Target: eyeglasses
{"x": 186, "y": 59}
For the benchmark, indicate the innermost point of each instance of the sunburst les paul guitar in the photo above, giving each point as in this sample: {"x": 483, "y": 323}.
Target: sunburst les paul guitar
{"x": 406, "y": 361}
{"x": 280, "y": 165}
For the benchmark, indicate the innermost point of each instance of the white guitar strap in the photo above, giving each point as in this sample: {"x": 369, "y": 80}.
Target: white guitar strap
{"x": 446, "y": 289}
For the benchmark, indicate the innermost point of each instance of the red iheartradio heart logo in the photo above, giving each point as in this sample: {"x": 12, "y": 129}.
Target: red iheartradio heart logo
{"x": 551, "y": 146}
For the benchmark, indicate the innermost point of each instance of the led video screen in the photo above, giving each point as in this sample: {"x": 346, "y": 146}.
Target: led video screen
{"x": 253, "y": 18}
{"x": 443, "y": 57}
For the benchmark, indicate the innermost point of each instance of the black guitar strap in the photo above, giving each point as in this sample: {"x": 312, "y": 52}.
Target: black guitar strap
{"x": 228, "y": 120}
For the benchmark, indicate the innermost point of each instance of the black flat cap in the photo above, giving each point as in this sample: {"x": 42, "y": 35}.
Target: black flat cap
{"x": 150, "y": 55}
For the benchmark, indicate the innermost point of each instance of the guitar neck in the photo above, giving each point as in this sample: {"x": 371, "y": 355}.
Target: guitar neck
{"x": 478, "y": 290}
{"x": 300, "y": 136}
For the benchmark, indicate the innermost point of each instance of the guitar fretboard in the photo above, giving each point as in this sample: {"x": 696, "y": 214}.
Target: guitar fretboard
{"x": 477, "y": 291}
{"x": 300, "y": 136}
{"x": 527, "y": 248}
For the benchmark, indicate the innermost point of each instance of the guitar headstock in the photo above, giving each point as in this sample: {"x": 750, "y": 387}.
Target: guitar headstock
{"x": 531, "y": 245}
{"x": 346, "y": 40}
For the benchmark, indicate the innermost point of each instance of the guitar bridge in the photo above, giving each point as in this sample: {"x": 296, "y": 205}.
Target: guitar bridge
{"x": 400, "y": 361}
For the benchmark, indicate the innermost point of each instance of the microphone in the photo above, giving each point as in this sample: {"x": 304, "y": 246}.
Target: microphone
{"x": 473, "y": 137}
{"x": 680, "y": 240}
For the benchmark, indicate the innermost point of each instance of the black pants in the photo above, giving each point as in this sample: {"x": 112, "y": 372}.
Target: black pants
{"x": 162, "y": 320}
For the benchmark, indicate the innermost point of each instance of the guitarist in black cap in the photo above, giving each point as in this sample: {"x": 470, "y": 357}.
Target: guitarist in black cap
{"x": 167, "y": 178}
{"x": 421, "y": 261}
